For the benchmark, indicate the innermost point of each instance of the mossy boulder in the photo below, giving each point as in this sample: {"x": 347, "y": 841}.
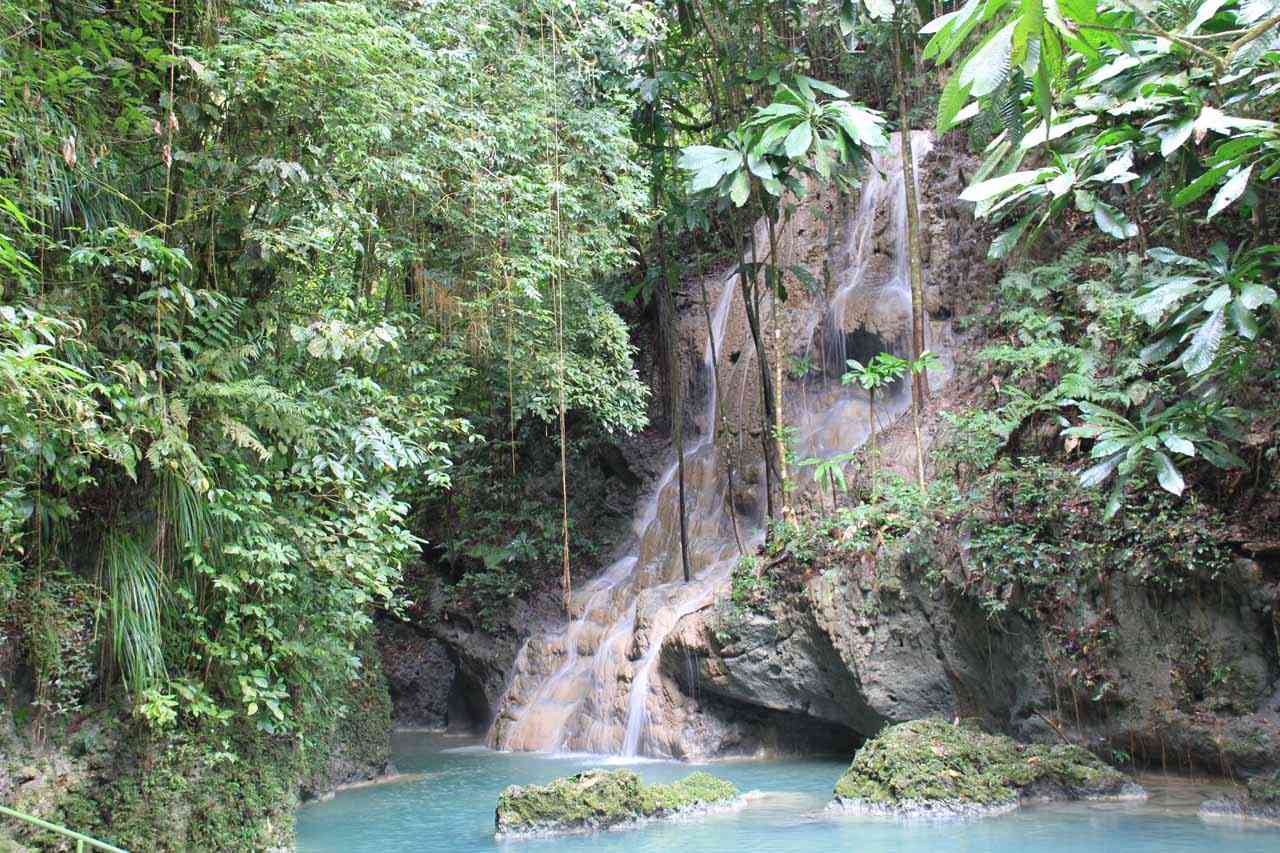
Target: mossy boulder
{"x": 933, "y": 768}
{"x": 598, "y": 799}
{"x": 1260, "y": 800}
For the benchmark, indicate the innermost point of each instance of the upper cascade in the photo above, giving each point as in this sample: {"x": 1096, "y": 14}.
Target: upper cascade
{"x": 594, "y": 685}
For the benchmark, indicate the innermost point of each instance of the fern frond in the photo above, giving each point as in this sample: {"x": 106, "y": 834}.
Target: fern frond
{"x": 134, "y": 610}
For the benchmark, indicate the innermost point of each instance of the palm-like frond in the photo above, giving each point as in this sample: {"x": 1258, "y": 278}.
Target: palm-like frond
{"x": 135, "y": 598}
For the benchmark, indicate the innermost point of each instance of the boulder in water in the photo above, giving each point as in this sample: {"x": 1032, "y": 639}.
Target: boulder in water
{"x": 598, "y": 799}
{"x": 934, "y": 769}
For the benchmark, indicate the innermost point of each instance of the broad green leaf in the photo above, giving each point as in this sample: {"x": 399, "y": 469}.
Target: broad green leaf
{"x": 708, "y": 164}
{"x": 1211, "y": 118}
{"x": 1254, "y": 295}
{"x": 1042, "y": 132}
{"x": 1220, "y": 297}
{"x": 953, "y": 98}
{"x": 1208, "y": 8}
{"x": 1114, "y": 501}
{"x": 880, "y": 10}
{"x": 772, "y": 135}
{"x": 1117, "y": 66}
{"x": 798, "y": 140}
{"x": 825, "y": 88}
{"x": 1043, "y": 91}
{"x": 988, "y": 67}
{"x": 864, "y": 126}
{"x": 1172, "y": 137}
{"x": 1113, "y": 222}
{"x": 1231, "y": 190}
{"x": 1159, "y": 350}
{"x": 1096, "y": 475}
{"x": 1167, "y": 474}
{"x": 997, "y": 186}
{"x": 1200, "y": 185}
{"x": 1178, "y": 444}
{"x": 1166, "y": 255}
{"x": 759, "y": 167}
{"x": 1242, "y": 318}
{"x": 776, "y": 110}
{"x": 1204, "y": 344}
{"x": 740, "y": 189}
{"x": 1003, "y": 244}
{"x": 1026, "y": 37}
{"x": 939, "y": 22}
{"x": 1154, "y": 305}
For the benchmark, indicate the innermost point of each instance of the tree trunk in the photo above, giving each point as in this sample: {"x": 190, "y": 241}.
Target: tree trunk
{"x": 875, "y": 446}
{"x": 920, "y": 380}
{"x": 666, "y": 312}
{"x": 915, "y": 425}
{"x": 667, "y": 319}
{"x": 778, "y": 435}
{"x": 750, "y": 298}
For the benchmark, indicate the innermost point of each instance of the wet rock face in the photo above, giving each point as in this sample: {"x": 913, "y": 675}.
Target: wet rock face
{"x": 420, "y": 676}
{"x": 597, "y": 800}
{"x": 1260, "y": 801}
{"x": 936, "y": 769}
{"x": 850, "y": 656}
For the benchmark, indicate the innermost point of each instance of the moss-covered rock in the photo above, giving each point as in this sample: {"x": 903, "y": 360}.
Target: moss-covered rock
{"x": 598, "y": 799}
{"x": 934, "y": 768}
{"x": 1260, "y": 800}
{"x": 208, "y": 788}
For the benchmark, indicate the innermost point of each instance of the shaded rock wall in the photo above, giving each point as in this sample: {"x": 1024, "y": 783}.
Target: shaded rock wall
{"x": 1198, "y": 682}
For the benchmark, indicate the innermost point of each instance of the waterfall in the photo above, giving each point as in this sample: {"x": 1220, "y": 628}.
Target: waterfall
{"x": 591, "y": 685}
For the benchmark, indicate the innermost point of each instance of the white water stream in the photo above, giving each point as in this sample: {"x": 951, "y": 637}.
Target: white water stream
{"x": 590, "y": 686}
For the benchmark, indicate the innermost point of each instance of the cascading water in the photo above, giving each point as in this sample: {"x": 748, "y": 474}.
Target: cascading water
{"x": 590, "y": 686}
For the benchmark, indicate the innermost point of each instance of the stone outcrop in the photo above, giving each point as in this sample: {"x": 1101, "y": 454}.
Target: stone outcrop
{"x": 597, "y": 800}
{"x": 936, "y": 769}
{"x": 859, "y": 656}
{"x": 1259, "y": 801}
{"x": 420, "y": 676}
{"x": 869, "y": 642}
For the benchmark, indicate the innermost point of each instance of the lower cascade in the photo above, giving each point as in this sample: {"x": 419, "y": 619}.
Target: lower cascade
{"x": 596, "y": 684}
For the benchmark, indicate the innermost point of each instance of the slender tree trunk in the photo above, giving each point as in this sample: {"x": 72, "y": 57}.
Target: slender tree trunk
{"x": 667, "y": 316}
{"x": 875, "y": 445}
{"x": 915, "y": 425}
{"x": 666, "y": 312}
{"x": 920, "y": 380}
{"x": 778, "y": 435}
{"x": 751, "y": 298}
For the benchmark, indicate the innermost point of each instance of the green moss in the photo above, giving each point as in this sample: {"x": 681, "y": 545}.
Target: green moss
{"x": 931, "y": 761}
{"x": 1265, "y": 790}
{"x": 214, "y": 788}
{"x": 597, "y": 799}
{"x": 194, "y": 792}
{"x": 695, "y": 789}
{"x": 8, "y": 845}
{"x": 352, "y": 742}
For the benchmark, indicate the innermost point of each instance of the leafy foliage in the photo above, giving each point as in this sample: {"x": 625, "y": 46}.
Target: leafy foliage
{"x": 266, "y": 271}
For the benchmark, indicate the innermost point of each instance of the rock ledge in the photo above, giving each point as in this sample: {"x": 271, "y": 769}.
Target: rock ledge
{"x": 1260, "y": 801}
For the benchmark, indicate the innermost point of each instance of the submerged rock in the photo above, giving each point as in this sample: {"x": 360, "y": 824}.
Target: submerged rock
{"x": 931, "y": 768}
{"x": 597, "y": 799}
{"x": 1260, "y": 801}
